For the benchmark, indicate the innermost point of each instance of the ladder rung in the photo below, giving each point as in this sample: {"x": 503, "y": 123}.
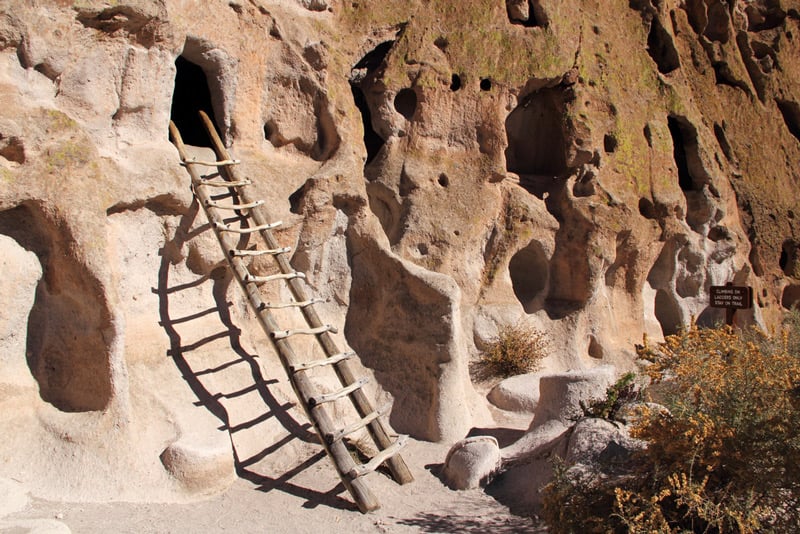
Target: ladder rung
{"x": 271, "y": 278}
{"x": 329, "y": 397}
{"x": 281, "y": 334}
{"x": 336, "y": 358}
{"x": 239, "y": 253}
{"x": 222, "y": 206}
{"x": 385, "y": 454}
{"x": 221, "y": 183}
{"x": 226, "y": 228}
{"x": 279, "y": 305}
{"x": 339, "y": 434}
{"x": 222, "y": 163}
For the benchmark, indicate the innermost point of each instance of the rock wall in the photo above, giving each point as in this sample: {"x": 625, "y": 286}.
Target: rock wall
{"x": 588, "y": 168}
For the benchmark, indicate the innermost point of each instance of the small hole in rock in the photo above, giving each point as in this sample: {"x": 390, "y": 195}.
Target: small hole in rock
{"x": 443, "y": 180}
{"x": 405, "y": 103}
{"x": 647, "y": 209}
{"x": 486, "y": 84}
{"x": 609, "y": 143}
{"x": 455, "y": 82}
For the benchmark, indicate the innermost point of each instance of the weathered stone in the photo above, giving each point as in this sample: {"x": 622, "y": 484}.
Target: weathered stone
{"x": 518, "y": 393}
{"x": 561, "y": 395}
{"x": 471, "y": 461}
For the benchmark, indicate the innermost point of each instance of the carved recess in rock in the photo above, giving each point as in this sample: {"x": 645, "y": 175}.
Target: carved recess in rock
{"x": 403, "y": 322}
{"x": 529, "y": 271}
{"x": 536, "y": 138}
{"x": 191, "y": 96}
{"x": 219, "y": 71}
{"x": 529, "y": 13}
{"x": 693, "y": 178}
{"x": 69, "y": 328}
{"x": 660, "y": 42}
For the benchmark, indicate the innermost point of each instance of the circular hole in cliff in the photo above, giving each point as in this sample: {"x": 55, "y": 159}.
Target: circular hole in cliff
{"x": 190, "y": 96}
{"x": 70, "y": 332}
{"x": 405, "y": 103}
{"x": 529, "y": 273}
{"x": 486, "y": 84}
{"x": 647, "y": 209}
{"x": 455, "y": 82}
{"x": 443, "y": 180}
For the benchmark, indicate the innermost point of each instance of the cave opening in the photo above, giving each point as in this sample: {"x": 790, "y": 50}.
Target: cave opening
{"x": 528, "y": 269}
{"x": 680, "y": 140}
{"x": 362, "y": 77}
{"x": 535, "y": 133}
{"x": 668, "y": 313}
{"x": 191, "y": 95}
{"x": 791, "y": 116}
{"x": 455, "y": 82}
{"x": 372, "y": 141}
{"x": 661, "y": 48}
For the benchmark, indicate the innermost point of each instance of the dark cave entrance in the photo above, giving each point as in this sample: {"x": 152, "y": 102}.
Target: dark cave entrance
{"x": 362, "y": 78}
{"x": 535, "y": 132}
{"x": 679, "y": 152}
{"x": 192, "y": 94}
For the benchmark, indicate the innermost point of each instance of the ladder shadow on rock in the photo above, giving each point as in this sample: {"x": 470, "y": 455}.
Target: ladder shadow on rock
{"x": 200, "y": 377}
{"x": 234, "y": 215}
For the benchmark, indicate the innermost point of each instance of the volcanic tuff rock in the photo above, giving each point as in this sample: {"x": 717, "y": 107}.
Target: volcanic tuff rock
{"x": 588, "y": 168}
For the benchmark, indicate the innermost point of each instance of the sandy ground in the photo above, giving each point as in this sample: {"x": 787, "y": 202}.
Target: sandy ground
{"x": 307, "y": 498}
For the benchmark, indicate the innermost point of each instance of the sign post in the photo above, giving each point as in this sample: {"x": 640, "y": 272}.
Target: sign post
{"x": 731, "y": 298}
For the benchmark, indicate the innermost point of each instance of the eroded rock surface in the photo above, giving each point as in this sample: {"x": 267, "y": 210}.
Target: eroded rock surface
{"x": 441, "y": 169}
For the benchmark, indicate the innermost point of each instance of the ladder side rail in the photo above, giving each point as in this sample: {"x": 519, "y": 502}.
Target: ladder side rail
{"x": 301, "y": 384}
{"x": 344, "y": 370}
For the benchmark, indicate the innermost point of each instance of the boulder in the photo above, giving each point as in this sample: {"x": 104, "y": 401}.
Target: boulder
{"x": 561, "y": 394}
{"x": 516, "y": 394}
{"x": 471, "y": 462}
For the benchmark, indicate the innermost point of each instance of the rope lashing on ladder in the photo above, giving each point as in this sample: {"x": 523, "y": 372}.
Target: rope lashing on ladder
{"x": 227, "y": 228}
{"x": 223, "y": 163}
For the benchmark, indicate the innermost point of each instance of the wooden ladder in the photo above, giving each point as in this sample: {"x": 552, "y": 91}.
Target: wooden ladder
{"x": 313, "y": 403}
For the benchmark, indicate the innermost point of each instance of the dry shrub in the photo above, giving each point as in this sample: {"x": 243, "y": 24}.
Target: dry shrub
{"x": 516, "y": 350}
{"x": 725, "y": 457}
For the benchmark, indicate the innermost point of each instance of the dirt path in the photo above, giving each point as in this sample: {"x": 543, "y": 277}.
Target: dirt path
{"x": 307, "y": 498}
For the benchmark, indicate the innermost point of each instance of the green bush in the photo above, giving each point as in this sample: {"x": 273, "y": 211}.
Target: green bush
{"x": 515, "y": 350}
{"x": 723, "y": 457}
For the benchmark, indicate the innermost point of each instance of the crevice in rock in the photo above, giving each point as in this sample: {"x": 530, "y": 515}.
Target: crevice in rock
{"x": 764, "y": 15}
{"x": 191, "y": 95}
{"x": 529, "y": 272}
{"x": 661, "y": 48}
{"x": 69, "y": 327}
{"x": 372, "y": 141}
{"x": 361, "y": 77}
{"x": 722, "y": 139}
{"x": 682, "y": 140}
{"x": 791, "y": 116}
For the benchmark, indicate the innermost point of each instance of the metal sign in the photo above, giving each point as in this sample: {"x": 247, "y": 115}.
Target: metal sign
{"x": 732, "y": 297}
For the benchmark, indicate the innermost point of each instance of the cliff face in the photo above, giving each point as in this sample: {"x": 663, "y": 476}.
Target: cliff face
{"x": 442, "y": 168}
